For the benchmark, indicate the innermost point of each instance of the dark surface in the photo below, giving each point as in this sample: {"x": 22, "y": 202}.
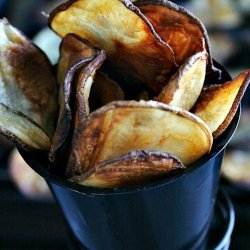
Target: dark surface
{"x": 241, "y": 233}
{"x": 39, "y": 224}
{"x": 28, "y": 223}
{"x": 241, "y": 202}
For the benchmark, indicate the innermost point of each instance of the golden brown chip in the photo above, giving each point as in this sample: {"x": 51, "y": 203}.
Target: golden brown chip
{"x": 27, "y": 82}
{"x": 184, "y": 32}
{"x": 134, "y": 51}
{"x": 72, "y": 50}
{"x": 218, "y": 104}
{"x": 84, "y": 84}
{"x": 75, "y": 54}
{"x": 21, "y": 130}
{"x": 186, "y": 84}
{"x": 134, "y": 168}
{"x": 123, "y": 126}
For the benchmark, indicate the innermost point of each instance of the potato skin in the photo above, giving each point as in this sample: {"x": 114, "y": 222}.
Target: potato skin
{"x": 135, "y": 168}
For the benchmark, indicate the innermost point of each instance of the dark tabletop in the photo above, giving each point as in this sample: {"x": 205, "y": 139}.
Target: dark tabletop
{"x": 39, "y": 224}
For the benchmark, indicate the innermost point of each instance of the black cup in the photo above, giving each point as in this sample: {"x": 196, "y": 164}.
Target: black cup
{"x": 172, "y": 213}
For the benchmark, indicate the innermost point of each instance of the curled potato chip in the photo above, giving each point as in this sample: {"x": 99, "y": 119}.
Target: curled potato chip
{"x": 27, "y": 83}
{"x": 72, "y": 50}
{"x": 22, "y": 130}
{"x": 124, "y": 126}
{"x": 75, "y": 53}
{"x": 218, "y": 104}
{"x": 134, "y": 168}
{"x": 134, "y": 50}
{"x": 186, "y": 84}
{"x": 84, "y": 84}
{"x": 183, "y": 31}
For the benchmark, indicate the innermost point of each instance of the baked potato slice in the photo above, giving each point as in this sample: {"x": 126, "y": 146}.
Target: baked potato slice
{"x": 84, "y": 85}
{"x": 135, "y": 52}
{"x": 22, "y": 131}
{"x": 135, "y": 168}
{"x": 75, "y": 54}
{"x": 27, "y": 85}
{"x": 186, "y": 84}
{"x": 72, "y": 49}
{"x": 177, "y": 26}
{"x": 218, "y": 104}
{"x": 123, "y": 126}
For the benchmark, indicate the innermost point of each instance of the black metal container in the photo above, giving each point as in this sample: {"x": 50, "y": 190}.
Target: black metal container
{"x": 172, "y": 213}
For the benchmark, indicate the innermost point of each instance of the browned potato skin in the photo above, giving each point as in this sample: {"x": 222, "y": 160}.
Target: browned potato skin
{"x": 148, "y": 59}
{"x": 123, "y": 126}
{"x": 27, "y": 69}
{"x": 135, "y": 168}
{"x": 75, "y": 106}
{"x": 73, "y": 49}
{"x": 84, "y": 85}
{"x": 28, "y": 94}
{"x": 183, "y": 31}
{"x": 184, "y": 87}
{"x": 220, "y": 102}
{"x": 22, "y": 131}
{"x": 75, "y": 53}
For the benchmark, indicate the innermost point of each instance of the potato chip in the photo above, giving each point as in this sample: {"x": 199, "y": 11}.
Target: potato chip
{"x": 27, "y": 85}
{"x": 183, "y": 31}
{"x": 186, "y": 84}
{"x": 21, "y": 130}
{"x": 218, "y": 104}
{"x": 123, "y": 126}
{"x": 84, "y": 84}
{"x": 134, "y": 168}
{"x": 75, "y": 54}
{"x": 72, "y": 50}
{"x": 134, "y": 51}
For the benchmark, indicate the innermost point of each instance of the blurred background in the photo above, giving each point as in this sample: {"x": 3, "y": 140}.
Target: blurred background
{"x": 29, "y": 216}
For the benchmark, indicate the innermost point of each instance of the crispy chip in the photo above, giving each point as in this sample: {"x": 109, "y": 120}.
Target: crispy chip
{"x": 72, "y": 50}
{"x": 22, "y": 130}
{"x": 218, "y": 104}
{"x": 134, "y": 168}
{"x": 124, "y": 126}
{"x": 27, "y": 83}
{"x": 183, "y": 31}
{"x": 84, "y": 84}
{"x": 75, "y": 54}
{"x": 186, "y": 84}
{"x": 134, "y": 51}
